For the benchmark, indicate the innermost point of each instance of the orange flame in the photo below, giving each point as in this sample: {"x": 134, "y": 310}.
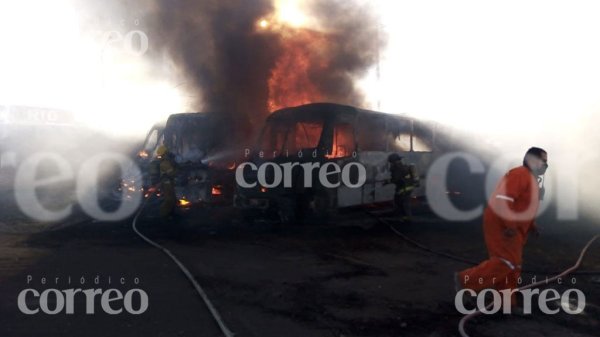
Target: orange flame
{"x": 290, "y": 83}
{"x": 217, "y": 190}
{"x": 342, "y": 142}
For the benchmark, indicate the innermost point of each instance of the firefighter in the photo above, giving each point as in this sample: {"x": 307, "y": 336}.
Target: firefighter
{"x": 167, "y": 170}
{"x": 406, "y": 179}
{"x": 507, "y": 221}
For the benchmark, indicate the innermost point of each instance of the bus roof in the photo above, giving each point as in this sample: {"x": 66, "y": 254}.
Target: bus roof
{"x": 326, "y": 110}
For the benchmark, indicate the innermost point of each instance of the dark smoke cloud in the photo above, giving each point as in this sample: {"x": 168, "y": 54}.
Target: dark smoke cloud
{"x": 215, "y": 47}
{"x": 225, "y": 62}
{"x": 353, "y": 47}
{"x": 218, "y": 49}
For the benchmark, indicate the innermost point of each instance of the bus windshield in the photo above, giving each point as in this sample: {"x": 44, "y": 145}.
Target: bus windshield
{"x": 281, "y": 136}
{"x": 190, "y": 139}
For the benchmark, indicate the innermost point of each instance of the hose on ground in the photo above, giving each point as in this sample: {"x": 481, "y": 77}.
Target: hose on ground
{"x": 465, "y": 319}
{"x": 215, "y": 314}
{"x": 458, "y": 258}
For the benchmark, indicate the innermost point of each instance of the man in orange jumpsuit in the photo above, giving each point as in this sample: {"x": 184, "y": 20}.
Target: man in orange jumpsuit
{"x": 507, "y": 221}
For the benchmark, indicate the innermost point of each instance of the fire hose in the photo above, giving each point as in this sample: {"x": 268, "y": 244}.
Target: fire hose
{"x": 215, "y": 314}
{"x": 227, "y": 333}
{"x": 462, "y": 259}
{"x": 463, "y": 321}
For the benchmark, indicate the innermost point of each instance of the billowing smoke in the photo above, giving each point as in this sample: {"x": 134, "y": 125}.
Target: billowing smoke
{"x": 354, "y": 48}
{"x": 222, "y": 61}
{"x": 322, "y": 61}
{"x": 231, "y": 64}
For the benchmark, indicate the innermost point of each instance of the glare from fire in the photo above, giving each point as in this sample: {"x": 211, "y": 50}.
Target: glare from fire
{"x": 303, "y": 52}
{"x": 263, "y": 23}
{"x": 217, "y": 190}
{"x": 291, "y": 13}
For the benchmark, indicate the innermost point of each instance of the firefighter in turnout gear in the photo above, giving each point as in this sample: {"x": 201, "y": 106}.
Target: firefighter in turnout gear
{"x": 166, "y": 169}
{"x": 406, "y": 179}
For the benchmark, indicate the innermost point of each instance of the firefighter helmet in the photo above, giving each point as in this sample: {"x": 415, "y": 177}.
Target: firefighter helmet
{"x": 394, "y": 157}
{"x": 162, "y": 150}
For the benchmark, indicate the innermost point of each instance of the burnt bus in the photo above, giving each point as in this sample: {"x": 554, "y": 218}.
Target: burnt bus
{"x": 203, "y": 157}
{"x": 323, "y": 133}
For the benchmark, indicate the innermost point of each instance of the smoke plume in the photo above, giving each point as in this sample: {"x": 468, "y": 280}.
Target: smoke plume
{"x": 230, "y": 65}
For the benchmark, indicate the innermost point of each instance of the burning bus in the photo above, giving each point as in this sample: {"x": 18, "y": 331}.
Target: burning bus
{"x": 322, "y": 133}
{"x": 204, "y": 158}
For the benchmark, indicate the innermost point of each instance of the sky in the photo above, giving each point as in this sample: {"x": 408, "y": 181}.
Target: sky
{"x": 512, "y": 74}
{"x": 519, "y": 66}
{"x": 52, "y": 57}
{"x": 509, "y": 66}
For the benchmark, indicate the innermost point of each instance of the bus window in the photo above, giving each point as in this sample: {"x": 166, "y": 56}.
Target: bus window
{"x": 343, "y": 141}
{"x": 370, "y": 133}
{"x": 401, "y": 143}
{"x": 422, "y": 137}
{"x": 273, "y": 137}
{"x": 281, "y": 136}
{"x": 194, "y": 139}
{"x": 420, "y": 145}
{"x": 306, "y": 136}
{"x": 398, "y": 134}
{"x": 152, "y": 141}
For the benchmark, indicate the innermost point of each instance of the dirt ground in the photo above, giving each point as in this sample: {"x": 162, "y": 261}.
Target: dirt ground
{"x": 351, "y": 278}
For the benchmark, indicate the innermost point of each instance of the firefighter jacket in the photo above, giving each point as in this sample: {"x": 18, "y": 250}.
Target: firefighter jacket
{"x": 404, "y": 177}
{"x": 167, "y": 169}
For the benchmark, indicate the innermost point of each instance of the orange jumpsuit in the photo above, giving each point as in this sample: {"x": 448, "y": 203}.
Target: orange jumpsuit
{"x": 514, "y": 204}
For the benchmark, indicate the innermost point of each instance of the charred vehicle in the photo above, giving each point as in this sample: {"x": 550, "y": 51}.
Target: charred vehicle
{"x": 204, "y": 161}
{"x": 324, "y": 133}
{"x": 146, "y": 155}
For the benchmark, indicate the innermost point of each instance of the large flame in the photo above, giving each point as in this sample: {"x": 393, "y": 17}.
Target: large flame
{"x": 290, "y": 83}
{"x": 303, "y": 52}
